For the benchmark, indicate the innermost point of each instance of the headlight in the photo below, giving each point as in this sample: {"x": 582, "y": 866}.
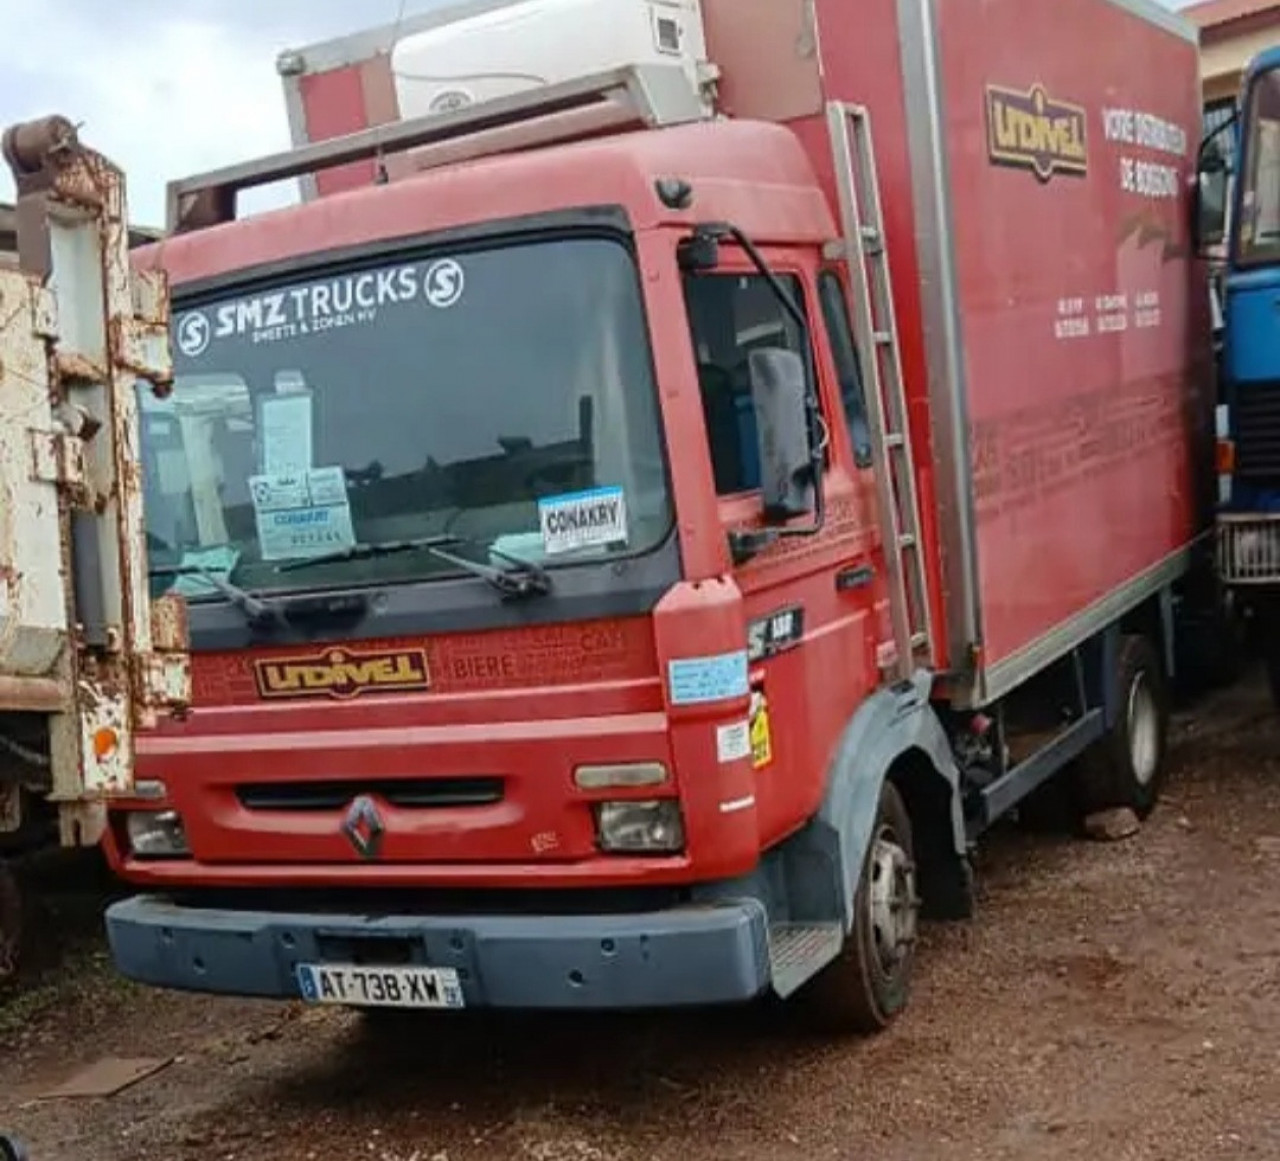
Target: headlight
{"x": 640, "y": 827}
{"x": 157, "y": 834}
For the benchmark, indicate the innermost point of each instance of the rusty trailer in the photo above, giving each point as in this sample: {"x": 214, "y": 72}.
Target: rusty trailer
{"x": 86, "y": 657}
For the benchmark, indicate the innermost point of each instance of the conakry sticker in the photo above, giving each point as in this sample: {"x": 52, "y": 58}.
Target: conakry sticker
{"x": 592, "y": 519}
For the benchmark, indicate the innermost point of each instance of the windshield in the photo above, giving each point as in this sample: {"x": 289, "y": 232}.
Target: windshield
{"x": 1259, "y": 230}
{"x": 502, "y": 396}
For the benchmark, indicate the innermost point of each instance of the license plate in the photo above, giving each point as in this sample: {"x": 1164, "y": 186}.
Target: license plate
{"x": 380, "y": 987}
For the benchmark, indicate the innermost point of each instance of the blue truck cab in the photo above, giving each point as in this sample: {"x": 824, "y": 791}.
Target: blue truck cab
{"x": 1238, "y": 226}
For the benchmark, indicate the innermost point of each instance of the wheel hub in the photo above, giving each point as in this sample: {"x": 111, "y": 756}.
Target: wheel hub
{"x": 891, "y": 900}
{"x": 1144, "y": 730}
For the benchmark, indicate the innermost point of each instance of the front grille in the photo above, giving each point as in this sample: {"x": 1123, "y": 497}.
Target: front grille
{"x": 1249, "y": 549}
{"x": 1256, "y": 425}
{"x": 405, "y": 793}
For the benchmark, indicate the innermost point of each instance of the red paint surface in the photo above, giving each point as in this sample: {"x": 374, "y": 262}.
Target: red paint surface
{"x": 334, "y": 105}
{"x": 1083, "y": 473}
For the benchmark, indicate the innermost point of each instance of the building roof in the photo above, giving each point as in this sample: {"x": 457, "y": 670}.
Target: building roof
{"x": 1216, "y": 15}
{"x": 9, "y": 231}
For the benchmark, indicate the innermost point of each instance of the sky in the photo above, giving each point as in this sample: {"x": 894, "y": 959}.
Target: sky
{"x": 168, "y": 88}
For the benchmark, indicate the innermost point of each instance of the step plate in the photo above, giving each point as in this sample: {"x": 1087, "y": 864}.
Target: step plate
{"x": 797, "y": 952}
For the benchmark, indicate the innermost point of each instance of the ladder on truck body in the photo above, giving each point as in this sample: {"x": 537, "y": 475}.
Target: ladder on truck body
{"x": 862, "y": 247}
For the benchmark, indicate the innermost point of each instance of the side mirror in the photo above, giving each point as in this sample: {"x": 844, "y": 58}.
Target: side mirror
{"x": 1211, "y": 189}
{"x": 779, "y": 391}
{"x": 1210, "y": 193}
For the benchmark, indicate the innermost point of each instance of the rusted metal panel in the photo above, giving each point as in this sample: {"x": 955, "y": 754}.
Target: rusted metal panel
{"x": 74, "y": 594}
{"x": 40, "y": 695}
{"x": 33, "y": 612}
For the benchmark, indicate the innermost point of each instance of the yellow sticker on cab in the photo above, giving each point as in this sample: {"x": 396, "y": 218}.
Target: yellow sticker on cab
{"x": 761, "y": 738}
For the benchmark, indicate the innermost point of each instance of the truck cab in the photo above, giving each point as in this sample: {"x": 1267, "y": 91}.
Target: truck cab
{"x": 1239, "y": 223}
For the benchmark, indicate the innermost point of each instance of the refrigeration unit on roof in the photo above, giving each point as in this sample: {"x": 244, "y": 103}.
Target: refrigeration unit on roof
{"x": 535, "y": 43}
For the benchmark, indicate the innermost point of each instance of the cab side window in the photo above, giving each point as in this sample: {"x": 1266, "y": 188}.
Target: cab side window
{"x": 844, "y": 353}
{"x": 730, "y": 315}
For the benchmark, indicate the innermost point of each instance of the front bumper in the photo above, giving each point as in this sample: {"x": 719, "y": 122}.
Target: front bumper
{"x": 682, "y": 956}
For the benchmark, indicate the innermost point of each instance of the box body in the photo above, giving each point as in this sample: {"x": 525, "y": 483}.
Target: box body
{"x": 1034, "y": 160}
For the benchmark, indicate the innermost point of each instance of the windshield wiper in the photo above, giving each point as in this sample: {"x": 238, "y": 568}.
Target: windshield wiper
{"x": 256, "y": 610}
{"x": 523, "y": 579}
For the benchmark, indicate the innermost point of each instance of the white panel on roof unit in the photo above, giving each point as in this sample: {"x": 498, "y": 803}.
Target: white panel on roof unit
{"x": 533, "y": 43}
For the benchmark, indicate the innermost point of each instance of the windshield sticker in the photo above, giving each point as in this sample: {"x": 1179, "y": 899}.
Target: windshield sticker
{"x": 318, "y": 307}
{"x": 285, "y": 429}
{"x": 694, "y": 680}
{"x": 594, "y": 519}
{"x": 303, "y": 514}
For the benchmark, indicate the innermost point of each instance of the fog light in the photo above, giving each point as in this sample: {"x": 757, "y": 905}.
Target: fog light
{"x": 157, "y": 834}
{"x": 640, "y": 827}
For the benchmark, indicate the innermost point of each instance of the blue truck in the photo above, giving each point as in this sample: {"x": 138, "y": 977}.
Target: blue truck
{"x": 1238, "y": 227}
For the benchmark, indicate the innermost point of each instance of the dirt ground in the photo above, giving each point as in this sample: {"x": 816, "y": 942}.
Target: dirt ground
{"x": 1117, "y": 1001}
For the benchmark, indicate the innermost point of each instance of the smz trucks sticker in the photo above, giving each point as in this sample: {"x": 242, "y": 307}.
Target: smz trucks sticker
{"x": 328, "y": 304}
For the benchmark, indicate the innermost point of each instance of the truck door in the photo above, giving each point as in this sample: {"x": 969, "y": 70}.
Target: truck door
{"x": 811, "y": 602}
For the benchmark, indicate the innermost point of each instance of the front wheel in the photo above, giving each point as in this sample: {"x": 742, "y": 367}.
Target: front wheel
{"x": 868, "y": 984}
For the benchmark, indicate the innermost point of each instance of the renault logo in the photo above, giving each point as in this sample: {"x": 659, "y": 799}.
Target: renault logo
{"x": 363, "y": 827}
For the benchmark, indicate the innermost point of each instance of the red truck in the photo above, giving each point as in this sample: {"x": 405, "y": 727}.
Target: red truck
{"x": 639, "y": 529}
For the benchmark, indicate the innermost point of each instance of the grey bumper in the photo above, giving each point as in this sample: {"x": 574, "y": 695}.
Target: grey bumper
{"x": 694, "y": 955}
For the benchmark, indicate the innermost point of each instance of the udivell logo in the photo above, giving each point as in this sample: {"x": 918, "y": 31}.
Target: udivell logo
{"x": 1031, "y": 130}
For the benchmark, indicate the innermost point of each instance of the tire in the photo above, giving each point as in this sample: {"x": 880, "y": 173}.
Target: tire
{"x": 1269, "y": 625}
{"x": 1272, "y": 662}
{"x": 1127, "y": 766}
{"x": 11, "y": 925}
{"x": 868, "y": 985}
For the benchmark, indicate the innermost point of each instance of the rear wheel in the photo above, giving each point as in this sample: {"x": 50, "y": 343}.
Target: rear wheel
{"x": 868, "y": 984}
{"x": 1127, "y": 767}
